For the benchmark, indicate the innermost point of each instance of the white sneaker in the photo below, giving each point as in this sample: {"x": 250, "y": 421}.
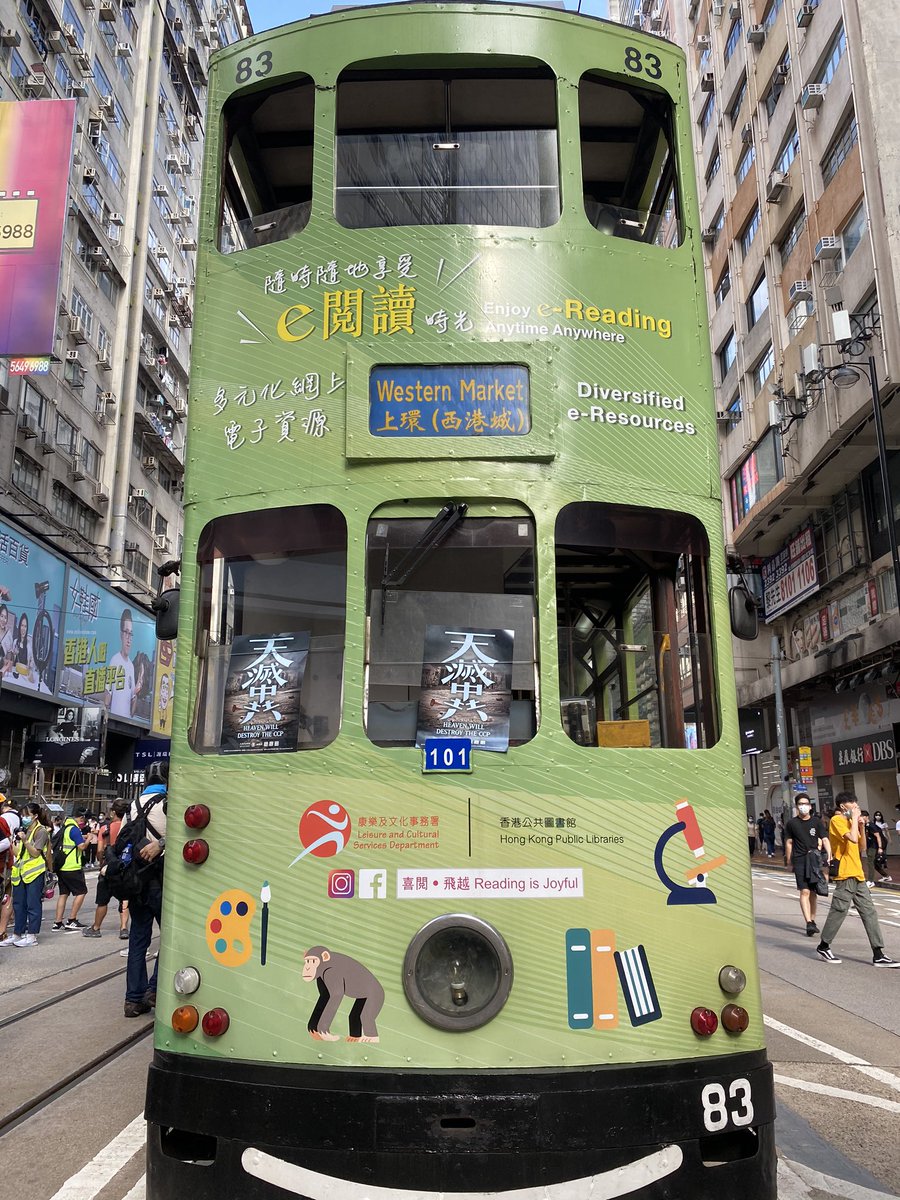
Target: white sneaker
{"x": 27, "y": 939}
{"x": 869, "y": 884}
{"x": 7, "y": 940}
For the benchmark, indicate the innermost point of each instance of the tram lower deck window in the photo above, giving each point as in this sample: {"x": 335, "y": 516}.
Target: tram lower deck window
{"x": 628, "y": 161}
{"x": 447, "y": 147}
{"x": 450, "y": 645}
{"x": 270, "y": 634}
{"x": 636, "y": 662}
{"x": 267, "y": 177}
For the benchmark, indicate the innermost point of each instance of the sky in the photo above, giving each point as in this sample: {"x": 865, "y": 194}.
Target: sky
{"x": 266, "y": 14}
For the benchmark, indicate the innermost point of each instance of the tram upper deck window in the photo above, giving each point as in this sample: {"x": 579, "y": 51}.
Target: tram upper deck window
{"x": 270, "y": 634}
{"x": 628, "y": 162}
{"x": 636, "y": 662}
{"x": 447, "y": 147}
{"x": 450, "y": 629}
{"x": 267, "y": 177}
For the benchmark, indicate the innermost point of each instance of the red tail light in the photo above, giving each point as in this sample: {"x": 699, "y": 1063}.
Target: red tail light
{"x": 215, "y": 1022}
{"x": 195, "y": 851}
{"x": 704, "y": 1022}
{"x": 197, "y": 816}
{"x": 734, "y": 1018}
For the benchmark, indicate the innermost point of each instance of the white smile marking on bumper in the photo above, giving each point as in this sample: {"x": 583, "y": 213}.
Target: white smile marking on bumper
{"x": 620, "y": 1181}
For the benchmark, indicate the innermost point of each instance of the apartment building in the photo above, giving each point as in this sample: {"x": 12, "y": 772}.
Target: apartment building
{"x": 796, "y": 138}
{"x": 92, "y": 444}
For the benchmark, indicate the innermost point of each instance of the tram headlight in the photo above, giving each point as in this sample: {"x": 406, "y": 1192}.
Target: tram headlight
{"x": 458, "y": 972}
{"x": 734, "y": 1018}
{"x": 187, "y": 980}
{"x": 185, "y": 1019}
{"x": 704, "y": 1022}
{"x": 732, "y": 980}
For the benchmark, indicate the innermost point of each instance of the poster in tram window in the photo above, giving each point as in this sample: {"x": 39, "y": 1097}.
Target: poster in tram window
{"x": 163, "y": 690}
{"x": 262, "y": 712}
{"x": 109, "y": 650}
{"x": 35, "y": 167}
{"x": 31, "y": 596}
{"x": 466, "y": 686}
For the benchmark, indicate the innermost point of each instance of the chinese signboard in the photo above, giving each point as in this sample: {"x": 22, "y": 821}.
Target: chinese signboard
{"x": 31, "y": 593}
{"x": 805, "y": 763}
{"x": 262, "y": 710}
{"x": 790, "y": 575}
{"x": 860, "y": 754}
{"x": 449, "y": 401}
{"x": 466, "y": 686}
{"x": 35, "y": 158}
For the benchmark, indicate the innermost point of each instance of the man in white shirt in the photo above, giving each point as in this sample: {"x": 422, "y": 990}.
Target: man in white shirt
{"x": 121, "y": 698}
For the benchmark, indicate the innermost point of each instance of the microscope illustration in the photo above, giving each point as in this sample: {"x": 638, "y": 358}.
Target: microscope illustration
{"x": 696, "y": 888}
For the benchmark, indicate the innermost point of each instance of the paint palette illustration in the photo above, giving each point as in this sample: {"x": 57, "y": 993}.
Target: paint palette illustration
{"x": 228, "y": 927}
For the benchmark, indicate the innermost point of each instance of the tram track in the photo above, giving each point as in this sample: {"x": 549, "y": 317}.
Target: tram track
{"x": 13, "y": 1018}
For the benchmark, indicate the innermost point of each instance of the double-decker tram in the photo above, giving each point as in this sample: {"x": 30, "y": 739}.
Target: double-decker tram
{"x": 457, "y": 897}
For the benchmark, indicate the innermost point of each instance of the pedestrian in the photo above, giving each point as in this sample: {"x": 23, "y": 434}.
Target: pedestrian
{"x": 90, "y": 844}
{"x": 769, "y": 833}
{"x": 104, "y": 895}
{"x": 29, "y": 871}
{"x": 9, "y": 827}
{"x": 873, "y": 847}
{"x": 140, "y": 993}
{"x": 845, "y": 833}
{"x": 751, "y": 834}
{"x": 805, "y": 839}
{"x": 71, "y": 876}
{"x": 881, "y": 863}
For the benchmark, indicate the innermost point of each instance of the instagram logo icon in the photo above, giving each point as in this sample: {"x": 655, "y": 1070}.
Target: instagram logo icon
{"x": 341, "y": 885}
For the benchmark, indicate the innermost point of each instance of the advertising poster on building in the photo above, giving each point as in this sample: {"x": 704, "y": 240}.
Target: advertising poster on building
{"x": 35, "y": 166}
{"x": 31, "y": 597}
{"x": 76, "y": 739}
{"x": 262, "y": 710}
{"x": 466, "y": 686}
{"x": 791, "y": 575}
{"x": 109, "y": 651}
{"x": 163, "y": 690}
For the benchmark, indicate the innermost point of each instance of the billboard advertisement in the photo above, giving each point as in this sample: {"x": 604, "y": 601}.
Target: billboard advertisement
{"x": 31, "y": 599}
{"x": 109, "y": 651}
{"x": 35, "y": 161}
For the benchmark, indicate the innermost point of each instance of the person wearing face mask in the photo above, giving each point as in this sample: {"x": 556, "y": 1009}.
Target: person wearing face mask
{"x": 881, "y": 863}
{"x": 28, "y": 873}
{"x": 804, "y": 838}
{"x": 846, "y": 832}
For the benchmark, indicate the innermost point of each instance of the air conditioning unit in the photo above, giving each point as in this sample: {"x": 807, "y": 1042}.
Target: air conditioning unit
{"x": 160, "y": 542}
{"x": 717, "y": 8}
{"x": 158, "y": 293}
{"x": 783, "y": 70}
{"x": 116, "y": 218}
{"x": 726, "y": 417}
{"x": 655, "y": 24}
{"x": 813, "y": 95}
{"x": 46, "y": 444}
{"x": 96, "y": 253}
{"x": 747, "y": 133}
{"x": 73, "y": 356}
{"x": 83, "y": 63}
{"x": 37, "y": 84}
{"x": 776, "y": 186}
{"x": 756, "y": 35}
{"x": 707, "y": 81}
{"x": 177, "y": 23}
{"x": 88, "y": 5}
{"x": 173, "y": 164}
{"x": 104, "y": 363}
{"x": 56, "y": 39}
{"x": 160, "y": 189}
{"x": 76, "y": 471}
{"x": 106, "y": 398}
{"x": 179, "y": 406}
{"x": 101, "y": 497}
{"x": 805, "y": 14}
{"x": 708, "y": 236}
{"x": 130, "y": 547}
{"x": 202, "y": 35}
{"x": 828, "y": 248}
{"x": 187, "y": 243}
{"x": 26, "y": 427}
{"x": 10, "y": 37}
{"x": 78, "y": 88}
{"x": 734, "y": 11}
{"x": 149, "y": 463}
{"x": 89, "y": 174}
{"x": 105, "y": 414}
{"x": 107, "y": 105}
{"x": 123, "y": 50}
{"x": 139, "y": 494}
{"x": 703, "y": 41}
{"x": 800, "y": 289}
{"x": 106, "y": 11}
{"x": 76, "y": 332}
{"x": 71, "y": 36}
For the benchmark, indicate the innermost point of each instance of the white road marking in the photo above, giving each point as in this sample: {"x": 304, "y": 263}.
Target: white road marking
{"x": 620, "y": 1181}
{"x": 139, "y": 1191}
{"x": 797, "y": 1182}
{"x": 95, "y": 1175}
{"x": 860, "y": 1064}
{"x": 823, "y": 1089}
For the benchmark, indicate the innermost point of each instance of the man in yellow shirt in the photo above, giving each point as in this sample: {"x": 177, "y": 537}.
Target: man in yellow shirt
{"x": 845, "y": 832}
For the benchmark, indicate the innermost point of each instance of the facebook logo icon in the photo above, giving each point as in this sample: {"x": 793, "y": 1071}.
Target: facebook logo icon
{"x": 372, "y": 885}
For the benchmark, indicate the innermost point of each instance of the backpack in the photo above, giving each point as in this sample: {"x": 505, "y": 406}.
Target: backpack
{"x": 56, "y": 846}
{"x": 127, "y": 875}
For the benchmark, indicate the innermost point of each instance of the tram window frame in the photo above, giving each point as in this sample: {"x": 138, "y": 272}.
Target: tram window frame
{"x": 271, "y": 574}
{"x": 266, "y": 159}
{"x": 636, "y": 653}
{"x": 647, "y": 206}
{"x": 463, "y": 123}
{"x": 420, "y": 573}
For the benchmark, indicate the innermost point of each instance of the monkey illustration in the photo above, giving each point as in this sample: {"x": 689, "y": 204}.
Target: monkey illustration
{"x": 337, "y": 976}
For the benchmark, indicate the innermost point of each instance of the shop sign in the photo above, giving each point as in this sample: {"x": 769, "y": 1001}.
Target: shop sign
{"x": 791, "y": 575}
{"x": 876, "y": 753}
{"x": 805, "y": 763}
{"x": 31, "y": 598}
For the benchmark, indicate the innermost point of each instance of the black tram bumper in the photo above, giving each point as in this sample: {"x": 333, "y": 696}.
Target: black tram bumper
{"x": 679, "y": 1131}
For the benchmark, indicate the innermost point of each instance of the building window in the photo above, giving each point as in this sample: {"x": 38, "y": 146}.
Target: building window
{"x": 64, "y": 504}
{"x": 748, "y": 233}
{"x": 713, "y": 169}
{"x": 136, "y": 564}
{"x": 833, "y": 56}
{"x": 78, "y": 307}
{"x": 757, "y": 475}
{"x": 734, "y": 109}
{"x": 706, "y": 113}
{"x": 734, "y": 412}
{"x": 763, "y": 369}
{"x": 852, "y": 233}
{"x": 789, "y": 151}
{"x": 90, "y": 459}
{"x": 26, "y": 475}
{"x": 747, "y": 159}
{"x": 844, "y": 141}
{"x": 792, "y": 235}
{"x": 723, "y": 287}
{"x": 733, "y": 39}
{"x": 33, "y": 405}
{"x": 70, "y": 17}
{"x": 777, "y": 84}
{"x": 66, "y": 438}
{"x": 771, "y": 13}
{"x": 726, "y": 355}
{"x": 758, "y": 302}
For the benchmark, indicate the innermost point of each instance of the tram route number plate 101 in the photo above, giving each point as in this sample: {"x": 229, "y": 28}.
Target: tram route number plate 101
{"x": 446, "y": 755}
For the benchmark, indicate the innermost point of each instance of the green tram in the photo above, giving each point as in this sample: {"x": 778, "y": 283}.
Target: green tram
{"x": 458, "y": 899}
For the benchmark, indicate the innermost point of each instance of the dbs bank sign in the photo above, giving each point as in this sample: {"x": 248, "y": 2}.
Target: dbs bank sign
{"x": 875, "y": 753}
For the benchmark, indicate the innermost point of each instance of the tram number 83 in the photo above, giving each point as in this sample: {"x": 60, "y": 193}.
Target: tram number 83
{"x": 639, "y": 63}
{"x": 718, "y": 1113}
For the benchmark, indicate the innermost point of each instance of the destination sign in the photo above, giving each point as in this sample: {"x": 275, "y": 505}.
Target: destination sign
{"x": 449, "y": 401}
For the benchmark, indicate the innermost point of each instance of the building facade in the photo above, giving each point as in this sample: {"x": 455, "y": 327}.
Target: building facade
{"x": 92, "y": 446}
{"x": 796, "y": 141}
